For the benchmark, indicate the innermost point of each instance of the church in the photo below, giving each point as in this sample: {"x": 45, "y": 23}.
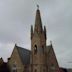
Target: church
{"x": 41, "y": 57}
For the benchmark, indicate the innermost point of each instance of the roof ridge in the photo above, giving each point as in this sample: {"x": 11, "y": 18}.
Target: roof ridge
{"x": 22, "y": 48}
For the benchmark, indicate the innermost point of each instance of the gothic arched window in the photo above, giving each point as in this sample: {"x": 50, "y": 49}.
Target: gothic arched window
{"x": 35, "y": 70}
{"x": 43, "y": 49}
{"x": 14, "y": 68}
{"x": 35, "y": 49}
{"x": 52, "y": 66}
{"x": 43, "y": 70}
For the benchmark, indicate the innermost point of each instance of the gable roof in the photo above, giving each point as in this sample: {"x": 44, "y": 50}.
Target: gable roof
{"x": 24, "y": 55}
{"x": 49, "y": 48}
{"x": 52, "y": 57}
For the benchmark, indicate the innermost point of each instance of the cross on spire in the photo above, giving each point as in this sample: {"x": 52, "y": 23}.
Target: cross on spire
{"x": 37, "y": 6}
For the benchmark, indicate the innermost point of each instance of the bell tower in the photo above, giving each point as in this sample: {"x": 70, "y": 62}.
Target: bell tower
{"x": 38, "y": 45}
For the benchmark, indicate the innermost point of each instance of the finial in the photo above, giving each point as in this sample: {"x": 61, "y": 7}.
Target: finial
{"x": 37, "y": 6}
{"x": 51, "y": 42}
{"x": 15, "y": 44}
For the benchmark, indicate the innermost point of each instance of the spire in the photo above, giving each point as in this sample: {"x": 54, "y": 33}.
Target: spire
{"x": 45, "y": 31}
{"x": 38, "y": 22}
{"x": 31, "y": 31}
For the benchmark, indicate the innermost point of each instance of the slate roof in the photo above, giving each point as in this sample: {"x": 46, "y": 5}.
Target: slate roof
{"x": 24, "y": 54}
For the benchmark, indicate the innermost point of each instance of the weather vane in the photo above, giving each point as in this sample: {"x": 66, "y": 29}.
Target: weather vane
{"x": 37, "y": 6}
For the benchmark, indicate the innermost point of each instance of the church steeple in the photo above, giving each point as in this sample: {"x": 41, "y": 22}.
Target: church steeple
{"x": 38, "y": 44}
{"x": 31, "y": 31}
{"x": 38, "y": 22}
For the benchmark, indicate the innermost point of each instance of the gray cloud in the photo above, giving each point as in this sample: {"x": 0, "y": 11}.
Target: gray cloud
{"x": 16, "y": 16}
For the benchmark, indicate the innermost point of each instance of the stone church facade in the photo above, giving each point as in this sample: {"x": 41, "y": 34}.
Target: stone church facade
{"x": 41, "y": 58}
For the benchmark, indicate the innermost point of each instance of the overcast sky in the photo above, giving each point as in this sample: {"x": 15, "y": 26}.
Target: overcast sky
{"x": 16, "y": 17}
